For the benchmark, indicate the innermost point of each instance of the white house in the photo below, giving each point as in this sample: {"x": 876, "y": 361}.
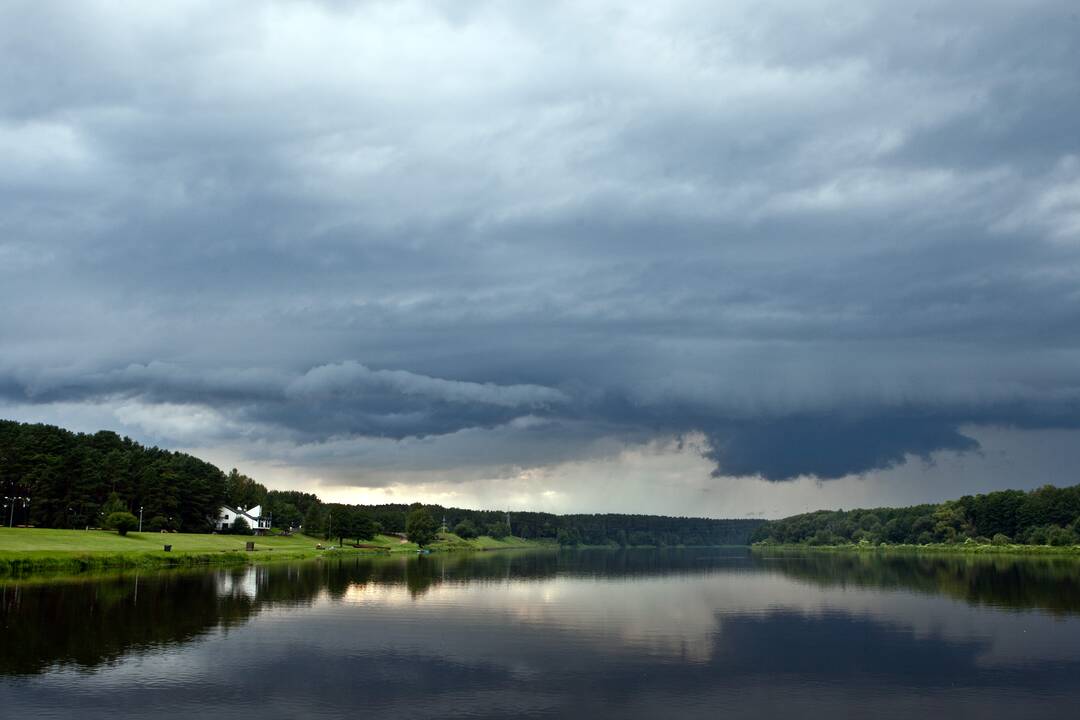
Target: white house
{"x": 254, "y": 517}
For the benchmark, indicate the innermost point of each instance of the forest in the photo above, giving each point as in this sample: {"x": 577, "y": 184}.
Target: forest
{"x": 600, "y": 529}
{"x": 52, "y": 477}
{"x": 1046, "y": 516}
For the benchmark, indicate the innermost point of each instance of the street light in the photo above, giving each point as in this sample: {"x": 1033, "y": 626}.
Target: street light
{"x": 140, "y": 518}
{"x": 11, "y": 502}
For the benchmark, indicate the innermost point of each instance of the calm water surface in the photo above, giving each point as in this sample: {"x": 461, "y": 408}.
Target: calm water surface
{"x": 627, "y": 634}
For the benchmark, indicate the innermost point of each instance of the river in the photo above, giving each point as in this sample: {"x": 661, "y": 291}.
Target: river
{"x": 687, "y": 633}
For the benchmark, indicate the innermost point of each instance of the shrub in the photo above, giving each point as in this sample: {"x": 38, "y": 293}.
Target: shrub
{"x": 571, "y": 537}
{"x": 420, "y": 527}
{"x": 863, "y": 537}
{"x": 498, "y": 530}
{"x": 947, "y": 534}
{"x": 1001, "y": 539}
{"x": 240, "y": 527}
{"x": 822, "y": 537}
{"x": 121, "y": 522}
{"x": 1038, "y": 535}
{"x": 466, "y": 530}
{"x": 1059, "y": 537}
{"x": 113, "y": 505}
{"x": 157, "y": 524}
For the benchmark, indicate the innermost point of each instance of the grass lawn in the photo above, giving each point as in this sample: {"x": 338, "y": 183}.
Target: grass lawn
{"x": 449, "y": 542}
{"x": 30, "y": 550}
{"x": 24, "y": 540}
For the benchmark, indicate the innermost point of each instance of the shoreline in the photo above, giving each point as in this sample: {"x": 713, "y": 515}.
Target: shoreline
{"x": 57, "y": 553}
{"x": 938, "y": 548}
{"x": 18, "y": 566}
{"x": 28, "y": 552}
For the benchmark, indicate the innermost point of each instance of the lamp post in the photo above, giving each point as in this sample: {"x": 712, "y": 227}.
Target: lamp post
{"x": 11, "y": 502}
{"x": 140, "y": 518}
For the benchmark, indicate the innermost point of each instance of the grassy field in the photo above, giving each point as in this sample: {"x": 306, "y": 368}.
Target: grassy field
{"x": 23, "y": 540}
{"x": 36, "y": 550}
{"x": 25, "y": 550}
{"x": 451, "y": 542}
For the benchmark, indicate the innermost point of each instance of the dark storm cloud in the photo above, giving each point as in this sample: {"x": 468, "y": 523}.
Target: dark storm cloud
{"x": 827, "y": 238}
{"x": 832, "y": 448}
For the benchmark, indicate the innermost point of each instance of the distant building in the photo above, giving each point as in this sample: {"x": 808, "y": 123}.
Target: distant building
{"x": 259, "y": 524}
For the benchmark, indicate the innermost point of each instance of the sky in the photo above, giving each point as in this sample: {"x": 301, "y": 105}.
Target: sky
{"x": 736, "y": 259}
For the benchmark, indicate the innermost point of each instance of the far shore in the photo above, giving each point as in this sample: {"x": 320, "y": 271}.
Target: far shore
{"x": 956, "y": 548}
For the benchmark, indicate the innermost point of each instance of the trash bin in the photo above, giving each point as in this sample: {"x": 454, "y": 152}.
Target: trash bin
{"x": 250, "y": 546}
{"x": 168, "y": 548}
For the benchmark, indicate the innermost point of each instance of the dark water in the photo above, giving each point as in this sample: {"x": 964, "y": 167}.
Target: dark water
{"x": 675, "y": 634}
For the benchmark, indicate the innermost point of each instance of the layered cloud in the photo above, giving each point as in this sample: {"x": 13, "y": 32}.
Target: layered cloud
{"x": 403, "y": 237}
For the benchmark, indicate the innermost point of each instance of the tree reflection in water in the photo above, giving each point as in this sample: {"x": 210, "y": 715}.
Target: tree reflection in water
{"x": 93, "y": 621}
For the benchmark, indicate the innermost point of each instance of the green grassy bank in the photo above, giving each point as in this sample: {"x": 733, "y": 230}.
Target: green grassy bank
{"x": 449, "y": 542}
{"x": 33, "y": 550}
{"x": 933, "y": 548}
{"x": 27, "y": 550}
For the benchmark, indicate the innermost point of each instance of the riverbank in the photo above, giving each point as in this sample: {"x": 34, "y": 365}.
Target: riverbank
{"x": 935, "y": 548}
{"x": 34, "y": 550}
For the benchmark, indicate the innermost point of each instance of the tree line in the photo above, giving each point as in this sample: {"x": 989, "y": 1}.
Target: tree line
{"x": 51, "y": 477}
{"x": 582, "y": 529}
{"x": 1046, "y": 516}
{"x": 76, "y": 480}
